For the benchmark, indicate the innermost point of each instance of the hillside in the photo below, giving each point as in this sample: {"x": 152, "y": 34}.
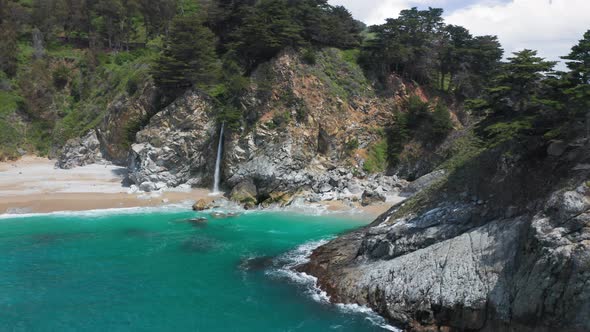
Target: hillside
{"x": 491, "y": 155}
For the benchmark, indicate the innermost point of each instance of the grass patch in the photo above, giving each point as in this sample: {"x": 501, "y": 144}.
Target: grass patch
{"x": 376, "y": 157}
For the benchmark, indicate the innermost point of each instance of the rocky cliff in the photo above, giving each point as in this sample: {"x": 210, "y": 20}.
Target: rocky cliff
{"x": 499, "y": 244}
{"x": 307, "y": 130}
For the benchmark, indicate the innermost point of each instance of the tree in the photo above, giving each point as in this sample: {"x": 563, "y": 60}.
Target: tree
{"x": 323, "y": 24}
{"x": 454, "y": 52}
{"x": 188, "y": 58}
{"x": 267, "y": 29}
{"x": 578, "y": 62}
{"x": 156, "y": 15}
{"x": 407, "y": 45}
{"x": 520, "y": 82}
{"x": 8, "y": 49}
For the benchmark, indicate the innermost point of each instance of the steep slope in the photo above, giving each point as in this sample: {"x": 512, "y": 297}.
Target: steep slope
{"x": 308, "y": 129}
{"x": 501, "y": 244}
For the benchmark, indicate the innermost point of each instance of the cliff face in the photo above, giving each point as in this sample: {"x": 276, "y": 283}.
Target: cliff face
{"x": 501, "y": 244}
{"x": 308, "y": 129}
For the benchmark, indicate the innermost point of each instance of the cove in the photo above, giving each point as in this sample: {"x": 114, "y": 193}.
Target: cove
{"x": 156, "y": 271}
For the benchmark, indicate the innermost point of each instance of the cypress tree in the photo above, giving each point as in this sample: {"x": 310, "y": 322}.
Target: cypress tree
{"x": 188, "y": 58}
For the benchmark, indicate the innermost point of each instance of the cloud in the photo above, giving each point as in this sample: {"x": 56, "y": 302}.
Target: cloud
{"x": 550, "y": 26}
{"x": 376, "y": 11}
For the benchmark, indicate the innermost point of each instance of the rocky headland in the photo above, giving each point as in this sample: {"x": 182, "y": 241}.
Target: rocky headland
{"x": 500, "y": 244}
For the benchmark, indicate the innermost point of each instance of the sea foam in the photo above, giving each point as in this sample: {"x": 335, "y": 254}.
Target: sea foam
{"x": 288, "y": 263}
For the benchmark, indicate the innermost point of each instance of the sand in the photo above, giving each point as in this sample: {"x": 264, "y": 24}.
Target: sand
{"x": 34, "y": 185}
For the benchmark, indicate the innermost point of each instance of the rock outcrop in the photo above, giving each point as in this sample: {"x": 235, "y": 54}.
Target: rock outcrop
{"x": 81, "y": 151}
{"x": 176, "y": 147}
{"x": 302, "y": 135}
{"x": 491, "y": 249}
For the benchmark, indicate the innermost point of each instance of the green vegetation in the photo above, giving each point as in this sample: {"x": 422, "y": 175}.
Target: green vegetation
{"x": 65, "y": 63}
{"x": 188, "y": 58}
{"x": 376, "y": 157}
{"x": 419, "y": 46}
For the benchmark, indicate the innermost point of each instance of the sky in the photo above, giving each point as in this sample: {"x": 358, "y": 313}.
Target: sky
{"x": 550, "y": 26}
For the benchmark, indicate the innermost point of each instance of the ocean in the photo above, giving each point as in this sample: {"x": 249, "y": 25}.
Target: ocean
{"x": 152, "y": 269}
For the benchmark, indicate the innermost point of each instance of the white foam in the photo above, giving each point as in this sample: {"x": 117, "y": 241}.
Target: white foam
{"x": 300, "y": 256}
{"x": 181, "y": 207}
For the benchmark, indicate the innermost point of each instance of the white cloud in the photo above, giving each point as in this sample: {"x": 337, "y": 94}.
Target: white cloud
{"x": 550, "y": 26}
{"x": 376, "y": 11}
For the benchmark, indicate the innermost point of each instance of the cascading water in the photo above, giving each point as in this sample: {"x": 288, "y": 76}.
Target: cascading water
{"x": 218, "y": 161}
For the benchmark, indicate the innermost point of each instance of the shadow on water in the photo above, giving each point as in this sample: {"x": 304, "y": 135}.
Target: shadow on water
{"x": 138, "y": 232}
{"x": 199, "y": 244}
{"x": 53, "y": 238}
{"x": 45, "y": 239}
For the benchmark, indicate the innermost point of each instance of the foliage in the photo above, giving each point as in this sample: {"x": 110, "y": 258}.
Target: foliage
{"x": 308, "y": 56}
{"x": 419, "y": 46}
{"x": 60, "y": 76}
{"x": 376, "y": 157}
{"x": 518, "y": 86}
{"x": 578, "y": 79}
{"x": 188, "y": 58}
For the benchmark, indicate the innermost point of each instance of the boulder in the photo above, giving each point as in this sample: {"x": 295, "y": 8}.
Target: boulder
{"x": 278, "y": 198}
{"x": 148, "y": 187}
{"x": 371, "y": 197}
{"x": 201, "y": 205}
{"x": 81, "y": 152}
{"x": 245, "y": 193}
{"x": 556, "y": 148}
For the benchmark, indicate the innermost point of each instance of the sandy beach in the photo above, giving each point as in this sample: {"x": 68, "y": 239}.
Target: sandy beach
{"x": 34, "y": 185}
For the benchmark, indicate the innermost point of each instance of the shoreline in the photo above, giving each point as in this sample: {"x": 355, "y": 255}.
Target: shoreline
{"x": 32, "y": 185}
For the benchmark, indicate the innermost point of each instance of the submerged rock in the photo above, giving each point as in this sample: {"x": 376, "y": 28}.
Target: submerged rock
{"x": 256, "y": 263}
{"x": 218, "y": 215}
{"x": 198, "y": 244}
{"x": 199, "y": 222}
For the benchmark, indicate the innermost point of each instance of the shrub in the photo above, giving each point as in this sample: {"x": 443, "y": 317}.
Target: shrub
{"x": 417, "y": 111}
{"x": 60, "y": 76}
{"x": 351, "y": 145}
{"x": 441, "y": 122}
{"x": 282, "y": 118}
{"x": 309, "y": 56}
{"x": 133, "y": 84}
{"x": 377, "y": 157}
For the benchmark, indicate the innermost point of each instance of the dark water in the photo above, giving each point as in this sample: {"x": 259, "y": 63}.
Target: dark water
{"x": 157, "y": 272}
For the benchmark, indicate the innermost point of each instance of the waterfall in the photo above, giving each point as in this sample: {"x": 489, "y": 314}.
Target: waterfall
{"x": 218, "y": 161}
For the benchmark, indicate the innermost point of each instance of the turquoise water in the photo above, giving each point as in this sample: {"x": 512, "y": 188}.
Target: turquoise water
{"x": 157, "y": 272}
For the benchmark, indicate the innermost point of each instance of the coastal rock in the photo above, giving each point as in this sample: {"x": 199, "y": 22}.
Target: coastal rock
{"x": 452, "y": 260}
{"x": 245, "y": 193}
{"x": 556, "y": 148}
{"x": 371, "y": 197}
{"x": 423, "y": 183}
{"x": 81, "y": 152}
{"x": 201, "y": 205}
{"x": 176, "y": 147}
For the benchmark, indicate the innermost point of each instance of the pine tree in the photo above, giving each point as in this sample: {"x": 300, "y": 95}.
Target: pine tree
{"x": 188, "y": 58}
{"x": 517, "y": 87}
{"x": 578, "y": 61}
